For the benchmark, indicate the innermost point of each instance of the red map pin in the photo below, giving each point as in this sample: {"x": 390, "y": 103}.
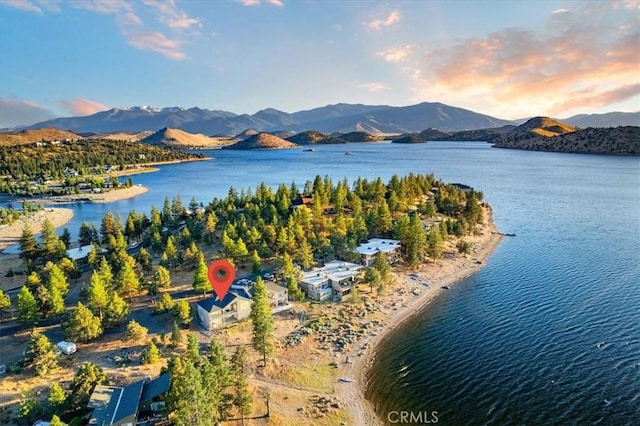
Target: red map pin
{"x": 221, "y": 275}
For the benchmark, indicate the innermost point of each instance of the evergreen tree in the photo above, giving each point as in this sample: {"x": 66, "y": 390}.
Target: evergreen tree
{"x": 200, "y": 279}
{"x": 135, "y": 332}
{"x": 27, "y": 307}
{"x": 40, "y": 355}
{"x": 66, "y": 237}
{"x": 255, "y": 263}
{"x": 58, "y": 280}
{"x": 109, "y": 227}
{"x": 262, "y": 320}
{"x": 5, "y": 304}
{"x": 85, "y": 236}
{"x": 242, "y": 399}
{"x": 30, "y": 408}
{"x": 435, "y": 244}
{"x": 162, "y": 277}
{"x": 83, "y": 326}
{"x": 56, "y": 399}
{"x": 193, "y": 349}
{"x": 116, "y": 311}
{"x": 51, "y": 247}
{"x": 105, "y": 272}
{"x": 84, "y": 382}
{"x": 293, "y": 290}
{"x": 165, "y": 304}
{"x": 151, "y": 354}
{"x": 28, "y": 245}
{"x": 182, "y": 312}
{"x": 127, "y": 280}
{"x": 415, "y": 241}
{"x": 56, "y": 303}
{"x": 176, "y": 335}
{"x": 55, "y": 421}
{"x": 144, "y": 260}
{"x": 171, "y": 252}
{"x": 98, "y": 296}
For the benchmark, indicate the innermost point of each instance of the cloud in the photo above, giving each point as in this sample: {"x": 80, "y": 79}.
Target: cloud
{"x": 107, "y": 7}
{"x": 578, "y": 59}
{"x": 278, "y": 3}
{"x": 379, "y": 23}
{"x": 24, "y": 5}
{"x": 16, "y": 112}
{"x": 594, "y": 99}
{"x": 170, "y": 15}
{"x": 397, "y": 54}
{"x": 81, "y": 106}
{"x": 156, "y": 42}
{"x": 374, "y": 86}
{"x": 555, "y": 12}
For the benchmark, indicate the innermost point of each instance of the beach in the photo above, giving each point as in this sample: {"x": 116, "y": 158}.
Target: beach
{"x": 407, "y": 297}
{"x": 10, "y": 234}
{"x": 100, "y": 197}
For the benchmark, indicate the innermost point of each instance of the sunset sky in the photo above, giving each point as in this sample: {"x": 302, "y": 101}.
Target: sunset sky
{"x": 501, "y": 58}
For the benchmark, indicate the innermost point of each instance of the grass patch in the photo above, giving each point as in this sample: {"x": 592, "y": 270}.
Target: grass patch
{"x": 309, "y": 376}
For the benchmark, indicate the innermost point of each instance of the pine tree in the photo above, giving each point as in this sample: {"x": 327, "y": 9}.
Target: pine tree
{"x": 58, "y": 280}
{"x": 165, "y": 304}
{"x": 135, "y": 332}
{"x": 28, "y": 245}
{"x": 51, "y": 247}
{"x": 170, "y": 251}
{"x": 83, "y": 326}
{"x": 105, "y": 272}
{"x": 27, "y": 307}
{"x": 262, "y": 320}
{"x": 182, "y": 312}
{"x": 293, "y": 290}
{"x": 127, "y": 280}
{"x": 84, "y": 382}
{"x": 162, "y": 277}
{"x": 176, "y": 335}
{"x": 55, "y": 421}
{"x": 144, "y": 260}
{"x": 151, "y": 354}
{"x": 40, "y": 355}
{"x": 256, "y": 263}
{"x": 193, "y": 348}
{"x": 97, "y": 297}
{"x": 242, "y": 399}
{"x": 5, "y": 303}
{"x": 116, "y": 311}
{"x": 56, "y": 399}
{"x": 200, "y": 279}
{"x": 85, "y": 236}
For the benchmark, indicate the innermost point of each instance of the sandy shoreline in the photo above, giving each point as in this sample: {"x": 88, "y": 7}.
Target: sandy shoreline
{"x": 102, "y": 197}
{"x": 10, "y": 234}
{"x": 411, "y": 297}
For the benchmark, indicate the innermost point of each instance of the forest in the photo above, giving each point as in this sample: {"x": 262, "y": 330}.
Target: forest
{"x": 45, "y": 161}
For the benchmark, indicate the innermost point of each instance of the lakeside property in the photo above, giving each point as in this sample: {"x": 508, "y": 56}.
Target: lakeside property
{"x": 10, "y": 233}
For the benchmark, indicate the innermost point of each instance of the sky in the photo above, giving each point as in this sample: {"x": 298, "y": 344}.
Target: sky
{"x": 507, "y": 59}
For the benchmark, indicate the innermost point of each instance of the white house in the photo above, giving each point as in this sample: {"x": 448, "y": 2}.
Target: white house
{"x": 369, "y": 251}
{"x": 335, "y": 278}
{"x": 214, "y": 313}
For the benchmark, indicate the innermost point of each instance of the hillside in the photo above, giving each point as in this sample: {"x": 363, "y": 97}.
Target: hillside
{"x": 180, "y": 138}
{"x": 358, "y": 136}
{"x": 39, "y": 135}
{"x": 610, "y": 119}
{"x": 342, "y": 118}
{"x": 119, "y": 136}
{"x": 545, "y": 134}
{"x": 262, "y": 141}
{"x": 311, "y": 137}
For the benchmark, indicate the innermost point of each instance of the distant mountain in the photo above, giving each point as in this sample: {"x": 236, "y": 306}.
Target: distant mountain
{"x": 342, "y": 118}
{"x": 611, "y": 119}
{"x": 119, "y": 136}
{"x": 180, "y": 138}
{"x": 262, "y": 141}
{"x": 358, "y": 136}
{"x": 40, "y": 135}
{"x": 546, "y": 134}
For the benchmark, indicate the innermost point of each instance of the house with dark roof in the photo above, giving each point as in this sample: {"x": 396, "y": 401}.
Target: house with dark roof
{"x": 129, "y": 405}
{"x": 214, "y": 313}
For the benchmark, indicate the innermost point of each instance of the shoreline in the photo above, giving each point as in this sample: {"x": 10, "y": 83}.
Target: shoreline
{"x": 448, "y": 272}
{"x": 101, "y": 197}
{"x": 10, "y": 234}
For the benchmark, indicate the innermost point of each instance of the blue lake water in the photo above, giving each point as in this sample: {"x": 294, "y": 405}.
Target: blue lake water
{"x": 547, "y": 332}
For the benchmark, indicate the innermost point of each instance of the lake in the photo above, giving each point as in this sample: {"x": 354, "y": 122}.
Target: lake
{"x": 547, "y": 332}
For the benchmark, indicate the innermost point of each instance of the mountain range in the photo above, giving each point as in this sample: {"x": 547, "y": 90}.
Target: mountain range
{"x": 342, "y": 118}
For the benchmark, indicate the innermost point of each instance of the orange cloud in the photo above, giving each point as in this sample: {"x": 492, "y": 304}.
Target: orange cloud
{"x": 374, "y": 86}
{"x": 574, "y": 62}
{"x": 24, "y": 5}
{"x": 157, "y": 42}
{"x": 397, "y": 54}
{"x": 169, "y": 14}
{"x": 16, "y": 112}
{"x": 81, "y": 106}
{"x": 379, "y": 23}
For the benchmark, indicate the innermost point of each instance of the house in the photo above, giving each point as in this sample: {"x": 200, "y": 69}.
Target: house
{"x": 129, "y": 405}
{"x": 214, "y": 313}
{"x": 334, "y": 279}
{"x": 369, "y": 250}
{"x": 278, "y": 297}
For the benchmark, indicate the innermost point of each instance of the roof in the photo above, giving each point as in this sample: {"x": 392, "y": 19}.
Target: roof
{"x": 274, "y": 288}
{"x": 376, "y": 245}
{"x": 122, "y": 403}
{"x": 155, "y": 387}
{"x": 79, "y": 252}
{"x": 335, "y": 270}
{"x": 212, "y": 303}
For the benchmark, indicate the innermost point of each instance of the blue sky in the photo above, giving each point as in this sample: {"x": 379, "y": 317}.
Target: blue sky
{"x": 502, "y": 58}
